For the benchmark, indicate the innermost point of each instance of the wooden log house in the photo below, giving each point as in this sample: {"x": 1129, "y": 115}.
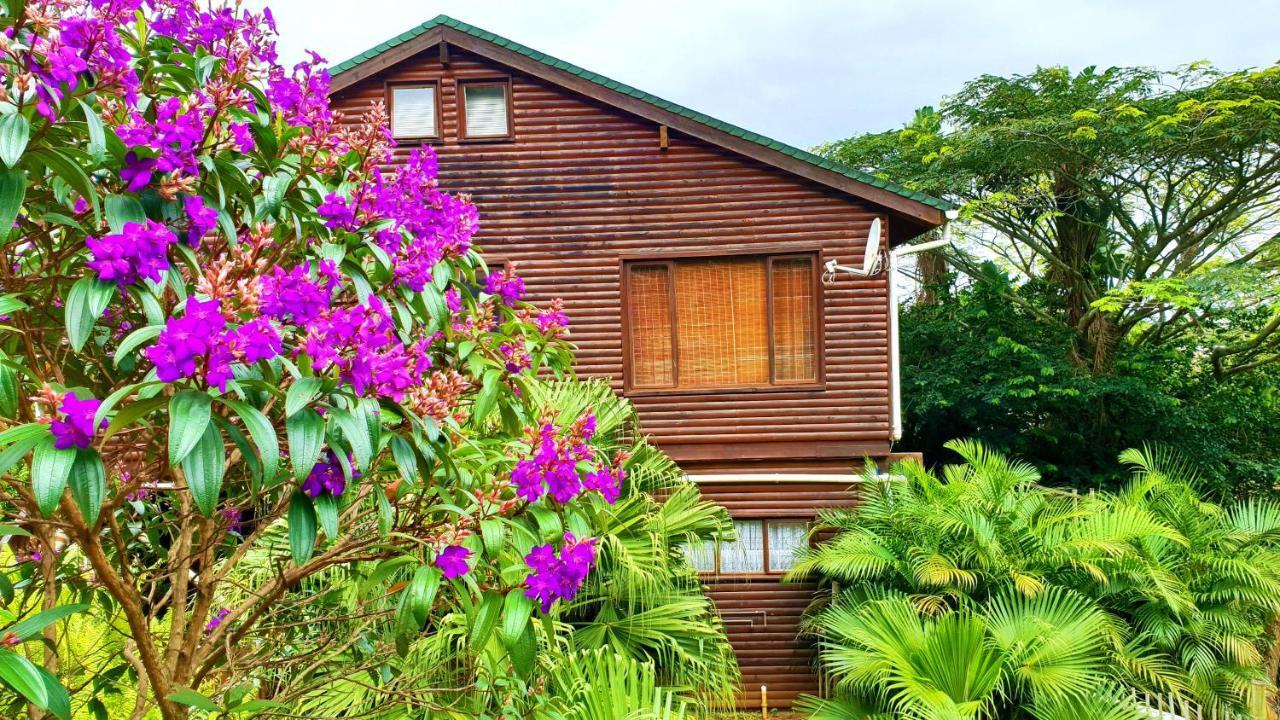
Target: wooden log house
{"x": 690, "y": 256}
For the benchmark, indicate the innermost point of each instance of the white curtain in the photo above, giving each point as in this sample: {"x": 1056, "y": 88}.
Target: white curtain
{"x": 786, "y": 538}
{"x": 486, "y": 110}
{"x": 747, "y": 554}
{"x": 701, "y": 557}
{"x": 413, "y": 112}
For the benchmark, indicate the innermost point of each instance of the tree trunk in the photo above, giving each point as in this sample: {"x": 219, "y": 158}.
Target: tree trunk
{"x": 935, "y": 277}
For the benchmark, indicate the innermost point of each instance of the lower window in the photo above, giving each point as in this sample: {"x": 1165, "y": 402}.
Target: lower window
{"x": 763, "y": 546}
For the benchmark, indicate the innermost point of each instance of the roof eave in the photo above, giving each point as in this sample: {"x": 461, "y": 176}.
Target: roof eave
{"x": 920, "y": 215}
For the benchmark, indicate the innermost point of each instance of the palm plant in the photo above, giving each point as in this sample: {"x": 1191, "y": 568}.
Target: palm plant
{"x": 981, "y": 594}
{"x": 603, "y": 685}
{"x": 642, "y": 610}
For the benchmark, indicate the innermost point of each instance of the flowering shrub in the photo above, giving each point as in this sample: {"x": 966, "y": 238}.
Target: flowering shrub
{"x": 227, "y": 323}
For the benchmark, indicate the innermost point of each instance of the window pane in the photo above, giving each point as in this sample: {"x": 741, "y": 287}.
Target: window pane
{"x": 701, "y": 557}
{"x": 413, "y": 112}
{"x": 486, "y": 110}
{"x": 721, "y": 325}
{"x": 747, "y": 554}
{"x": 786, "y": 538}
{"x": 794, "y": 357}
{"x": 649, "y": 311}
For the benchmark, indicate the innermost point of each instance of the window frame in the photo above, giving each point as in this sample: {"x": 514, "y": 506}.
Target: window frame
{"x": 461, "y": 95}
{"x": 770, "y": 254}
{"x": 764, "y": 550}
{"x": 389, "y": 93}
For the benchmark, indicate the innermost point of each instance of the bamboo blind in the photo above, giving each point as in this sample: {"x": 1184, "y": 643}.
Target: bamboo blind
{"x": 650, "y": 308}
{"x": 721, "y": 322}
{"x": 722, "y": 327}
{"x": 793, "y": 341}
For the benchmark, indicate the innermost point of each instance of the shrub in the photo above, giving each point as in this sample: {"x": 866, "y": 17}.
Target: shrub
{"x": 982, "y": 593}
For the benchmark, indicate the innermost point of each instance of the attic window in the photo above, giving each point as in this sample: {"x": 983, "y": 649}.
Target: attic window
{"x": 486, "y": 110}
{"x": 413, "y": 112}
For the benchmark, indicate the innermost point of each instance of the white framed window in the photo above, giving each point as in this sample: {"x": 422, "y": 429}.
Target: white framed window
{"x": 413, "y": 111}
{"x": 786, "y": 539}
{"x": 486, "y": 110}
{"x": 766, "y": 546}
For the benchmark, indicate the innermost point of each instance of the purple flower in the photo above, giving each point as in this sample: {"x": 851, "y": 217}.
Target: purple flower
{"x": 326, "y": 477}
{"x": 506, "y": 285}
{"x": 75, "y": 426}
{"x": 216, "y": 621}
{"x": 607, "y": 482}
{"x": 559, "y": 577}
{"x": 337, "y": 213}
{"x": 185, "y": 340}
{"x": 138, "y": 251}
{"x": 137, "y": 172}
{"x": 295, "y": 295}
{"x": 452, "y": 561}
{"x": 242, "y": 136}
{"x": 255, "y": 340}
{"x": 202, "y": 218}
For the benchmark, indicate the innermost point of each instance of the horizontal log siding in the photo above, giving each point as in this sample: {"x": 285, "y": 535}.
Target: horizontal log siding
{"x": 762, "y": 614}
{"x": 584, "y": 184}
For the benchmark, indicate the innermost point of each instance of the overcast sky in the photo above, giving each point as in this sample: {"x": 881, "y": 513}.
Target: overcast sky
{"x": 814, "y": 70}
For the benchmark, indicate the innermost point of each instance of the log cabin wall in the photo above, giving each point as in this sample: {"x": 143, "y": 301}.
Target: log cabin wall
{"x": 582, "y": 185}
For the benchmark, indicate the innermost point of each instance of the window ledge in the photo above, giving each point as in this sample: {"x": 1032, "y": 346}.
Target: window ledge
{"x": 663, "y": 392}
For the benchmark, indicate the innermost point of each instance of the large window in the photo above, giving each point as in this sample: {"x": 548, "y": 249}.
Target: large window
{"x": 722, "y": 322}
{"x": 414, "y": 113}
{"x": 763, "y": 546}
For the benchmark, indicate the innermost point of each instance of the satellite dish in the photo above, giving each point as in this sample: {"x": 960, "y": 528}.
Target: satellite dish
{"x": 872, "y": 256}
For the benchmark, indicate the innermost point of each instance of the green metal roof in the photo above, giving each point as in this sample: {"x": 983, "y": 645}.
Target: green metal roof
{"x": 734, "y": 130}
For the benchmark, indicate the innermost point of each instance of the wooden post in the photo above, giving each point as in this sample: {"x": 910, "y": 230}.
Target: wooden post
{"x": 662, "y": 137}
{"x": 764, "y": 702}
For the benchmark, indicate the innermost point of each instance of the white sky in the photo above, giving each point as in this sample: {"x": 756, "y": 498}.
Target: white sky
{"x": 814, "y": 70}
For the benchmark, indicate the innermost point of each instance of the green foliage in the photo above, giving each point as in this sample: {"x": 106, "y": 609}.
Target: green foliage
{"x": 980, "y": 593}
{"x": 976, "y": 365}
{"x": 1138, "y": 205}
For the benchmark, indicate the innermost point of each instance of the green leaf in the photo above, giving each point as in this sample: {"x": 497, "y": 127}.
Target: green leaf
{"x": 14, "y": 133}
{"x": 422, "y": 592}
{"x": 85, "y": 303}
{"x": 8, "y": 392}
{"x": 9, "y": 304}
{"x": 63, "y": 166}
{"x": 88, "y": 484}
{"x": 19, "y": 448}
{"x": 127, "y": 416}
{"x": 357, "y": 435}
{"x": 263, "y": 434}
{"x": 13, "y": 189}
{"x": 189, "y": 413}
{"x": 18, "y": 673}
{"x": 123, "y": 209}
{"x": 34, "y": 625}
{"x": 256, "y": 705}
{"x": 301, "y": 393}
{"x": 191, "y": 698}
{"x": 203, "y": 468}
{"x": 516, "y": 610}
{"x": 523, "y": 650}
{"x": 59, "y": 700}
{"x": 492, "y": 531}
{"x": 302, "y": 528}
{"x": 305, "y": 429}
{"x": 97, "y": 133}
{"x": 50, "y": 468}
{"x": 486, "y": 618}
{"x": 487, "y": 396}
{"x": 327, "y": 511}
{"x": 134, "y": 339}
